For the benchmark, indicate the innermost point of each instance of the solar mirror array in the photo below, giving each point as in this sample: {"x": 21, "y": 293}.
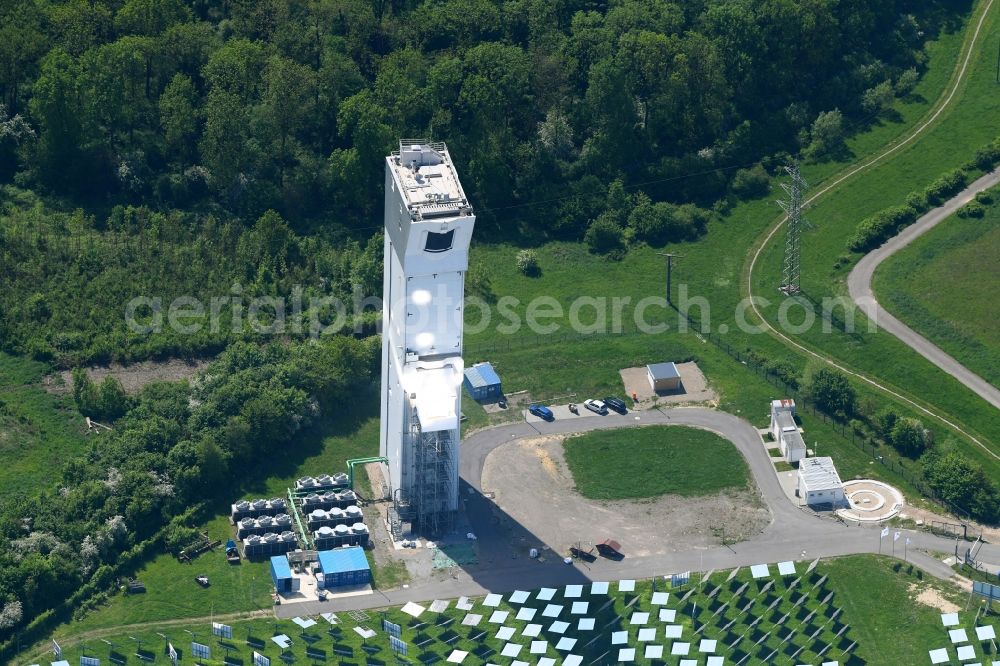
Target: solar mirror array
{"x": 757, "y": 616}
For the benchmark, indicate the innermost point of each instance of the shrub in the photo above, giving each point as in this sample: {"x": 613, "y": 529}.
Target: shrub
{"x": 958, "y": 480}
{"x": 917, "y": 201}
{"x": 945, "y": 186}
{"x": 832, "y": 393}
{"x": 827, "y": 135}
{"x": 985, "y": 197}
{"x": 527, "y": 262}
{"x": 874, "y": 230}
{"x": 988, "y": 156}
{"x": 785, "y": 371}
{"x": 909, "y": 437}
{"x": 751, "y": 183}
{"x": 972, "y": 209}
{"x": 907, "y": 81}
{"x": 604, "y": 235}
{"x": 878, "y": 99}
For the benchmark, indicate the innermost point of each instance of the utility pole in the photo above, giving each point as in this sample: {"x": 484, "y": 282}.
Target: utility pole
{"x": 670, "y": 267}
{"x": 793, "y": 208}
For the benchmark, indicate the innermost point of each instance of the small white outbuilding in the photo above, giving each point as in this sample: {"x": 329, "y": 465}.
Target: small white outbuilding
{"x": 819, "y": 482}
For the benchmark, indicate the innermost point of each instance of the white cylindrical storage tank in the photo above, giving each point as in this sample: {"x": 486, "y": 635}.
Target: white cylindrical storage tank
{"x": 359, "y": 528}
{"x": 341, "y": 478}
{"x": 342, "y": 529}
{"x": 353, "y": 511}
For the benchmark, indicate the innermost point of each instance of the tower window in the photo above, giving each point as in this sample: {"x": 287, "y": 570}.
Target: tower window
{"x": 439, "y": 242}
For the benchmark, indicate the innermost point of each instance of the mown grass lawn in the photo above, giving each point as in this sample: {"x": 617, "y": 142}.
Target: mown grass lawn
{"x": 943, "y": 285}
{"x": 652, "y": 461}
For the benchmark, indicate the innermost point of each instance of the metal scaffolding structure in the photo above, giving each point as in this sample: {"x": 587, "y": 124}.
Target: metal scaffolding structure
{"x": 793, "y": 207}
{"x": 433, "y": 463}
{"x": 427, "y": 508}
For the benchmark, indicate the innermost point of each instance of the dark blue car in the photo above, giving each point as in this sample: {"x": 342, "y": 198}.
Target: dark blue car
{"x": 542, "y": 412}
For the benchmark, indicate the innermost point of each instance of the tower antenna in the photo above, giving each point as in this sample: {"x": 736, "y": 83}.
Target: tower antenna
{"x": 793, "y": 207}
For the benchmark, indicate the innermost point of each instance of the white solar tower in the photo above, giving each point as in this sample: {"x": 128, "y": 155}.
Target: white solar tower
{"x": 428, "y": 226}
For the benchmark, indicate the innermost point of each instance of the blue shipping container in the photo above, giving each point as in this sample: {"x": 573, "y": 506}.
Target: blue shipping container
{"x": 483, "y": 383}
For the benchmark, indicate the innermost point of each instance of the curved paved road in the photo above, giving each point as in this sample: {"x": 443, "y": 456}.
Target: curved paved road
{"x": 794, "y": 534}
{"x": 859, "y": 284}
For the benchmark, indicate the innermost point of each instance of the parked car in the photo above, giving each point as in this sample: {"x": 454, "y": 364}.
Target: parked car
{"x": 596, "y": 406}
{"x": 542, "y": 412}
{"x": 616, "y": 404}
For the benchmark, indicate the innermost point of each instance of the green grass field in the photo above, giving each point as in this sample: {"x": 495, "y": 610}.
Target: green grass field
{"x": 962, "y": 128}
{"x": 943, "y": 285}
{"x": 889, "y": 627}
{"x": 36, "y": 427}
{"x": 713, "y": 269}
{"x": 653, "y": 461}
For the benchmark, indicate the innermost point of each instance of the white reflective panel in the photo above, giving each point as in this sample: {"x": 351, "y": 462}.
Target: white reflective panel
{"x": 639, "y": 618}
{"x": 457, "y": 656}
{"x": 760, "y": 571}
{"x": 707, "y": 645}
{"x": 958, "y": 636}
{"x": 667, "y": 614}
{"x": 579, "y": 608}
{"x": 986, "y": 633}
{"x": 573, "y": 591}
{"x": 519, "y": 597}
{"x": 546, "y": 661}
{"x": 572, "y": 660}
{"x": 647, "y": 634}
{"x": 585, "y": 624}
{"x": 939, "y": 656}
{"x": 471, "y": 620}
{"x": 532, "y": 630}
{"x": 966, "y": 652}
{"x": 786, "y": 568}
{"x": 599, "y": 588}
{"x": 626, "y": 655}
{"x": 559, "y": 627}
{"x": 626, "y": 586}
{"x": 538, "y": 647}
{"x": 619, "y": 637}
{"x": 525, "y": 614}
{"x": 413, "y": 609}
{"x": 552, "y": 610}
{"x": 653, "y": 652}
{"x": 510, "y": 650}
{"x": 673, "y": 630}
{"x": 498, "y": 617}
{"x": 949, "y": 619}
{"x": 545, "y": 593}
{"x": 492, "y": 600}
{"x": 660, "y": 598}
{"x": 505, "y": 633}
{"x": 680, "y": 648}
{"x": 463, "y": 603}
{"x": 565, "y": 644}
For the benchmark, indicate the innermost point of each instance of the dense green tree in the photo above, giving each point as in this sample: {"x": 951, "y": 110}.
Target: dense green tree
{"x": 832, "y": 392}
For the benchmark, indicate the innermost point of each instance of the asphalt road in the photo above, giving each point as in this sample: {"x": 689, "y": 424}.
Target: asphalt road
{"x": 794, "y": 533}
{"x": 859, "y": 284}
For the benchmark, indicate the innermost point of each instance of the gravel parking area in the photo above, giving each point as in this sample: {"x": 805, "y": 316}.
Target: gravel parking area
{"x": 694, "y": 386}
{"x": 533, "y": 485}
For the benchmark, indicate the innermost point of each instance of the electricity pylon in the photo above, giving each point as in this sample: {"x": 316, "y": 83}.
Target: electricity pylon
{"x": 793, "y": 207}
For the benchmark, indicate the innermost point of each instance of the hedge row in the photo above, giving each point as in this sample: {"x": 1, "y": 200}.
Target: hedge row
{"x": 875, "y": 230}
{"x": 880, "y": 227}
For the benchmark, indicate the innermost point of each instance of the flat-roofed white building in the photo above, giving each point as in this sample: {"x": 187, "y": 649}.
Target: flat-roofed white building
{"x": 786, "y": 432}
{"x": 819, "y": 482}
{"x": 428, "y": 227}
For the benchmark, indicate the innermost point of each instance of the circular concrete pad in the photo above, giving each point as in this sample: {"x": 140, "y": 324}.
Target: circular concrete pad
{"x": 871, "y": 501}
